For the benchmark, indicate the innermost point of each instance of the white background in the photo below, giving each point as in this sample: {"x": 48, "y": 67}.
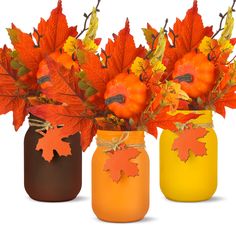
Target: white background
{"x": 19, "y": 215}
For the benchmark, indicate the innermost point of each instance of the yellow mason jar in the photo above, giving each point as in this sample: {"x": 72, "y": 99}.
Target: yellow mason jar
{"x": 193, "y": 180}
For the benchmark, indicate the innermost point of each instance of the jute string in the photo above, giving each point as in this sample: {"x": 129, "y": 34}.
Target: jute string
{"x": 115, "y": 143}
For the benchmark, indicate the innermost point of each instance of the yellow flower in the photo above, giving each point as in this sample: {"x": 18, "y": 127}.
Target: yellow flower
{"x": 70, "y": 45}
{"x": 158, "y": 67}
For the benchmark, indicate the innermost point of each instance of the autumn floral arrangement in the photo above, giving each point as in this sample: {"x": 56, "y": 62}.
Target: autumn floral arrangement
{"x": 198, "y": 60}
{"x": 69, "y": 87}
{"x": 72, "y": 86}
{"x": 119, "y": 89}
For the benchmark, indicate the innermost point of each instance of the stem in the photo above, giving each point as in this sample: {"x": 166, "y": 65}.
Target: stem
{"x": 188, "y": 78}
{"x": 119, "y": 98}
{"x": 87, "y": 16}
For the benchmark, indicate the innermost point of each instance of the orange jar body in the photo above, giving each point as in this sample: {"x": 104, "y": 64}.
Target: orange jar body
{"x": 127, "y": 200}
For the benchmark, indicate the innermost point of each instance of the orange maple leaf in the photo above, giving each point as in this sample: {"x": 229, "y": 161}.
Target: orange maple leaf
{"x": 11, "y": 96}
{"x": 119, "y": 162}
{"x": 122, "y": 52}
{"x": 185, "y": 37}
{"x": 52, "y": 140}
{"x": 188, "y": 141}
{"x": 71, "y": 111}
{"x": 50, "y": 36}
{"x": 167, "y": 121}
{"x": 95, "y": 74}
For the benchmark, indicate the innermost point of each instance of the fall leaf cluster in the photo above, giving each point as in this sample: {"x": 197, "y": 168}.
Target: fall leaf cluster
{"x": 61, "y": 76}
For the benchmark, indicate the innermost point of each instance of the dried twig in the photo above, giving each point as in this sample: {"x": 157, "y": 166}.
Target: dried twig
{"x": 175, "y": 37}
{"x": 87, "y": 16}
{"x": 106, "y": 59}
{"x": 38, "y": 39}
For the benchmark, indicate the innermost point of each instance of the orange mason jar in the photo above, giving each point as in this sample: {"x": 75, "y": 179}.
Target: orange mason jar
{"x": 128, "y": 199}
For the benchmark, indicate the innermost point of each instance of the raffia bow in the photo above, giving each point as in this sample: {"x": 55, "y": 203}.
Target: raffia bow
{"x": 182, "y": 127}
{"x": 115, "y": 143}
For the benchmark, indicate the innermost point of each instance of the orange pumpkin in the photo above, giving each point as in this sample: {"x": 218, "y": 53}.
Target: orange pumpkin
{"x": 125, "y": 95}
{"x": 195, "y": 73}
{"x": 43, "y": 71}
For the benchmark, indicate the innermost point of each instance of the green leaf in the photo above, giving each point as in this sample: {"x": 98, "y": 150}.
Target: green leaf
{"x": 22, "y": 71}
{"x": 90, "y": 92}
{"x": 83, "y": 85}
{"x": 15, "y": 65}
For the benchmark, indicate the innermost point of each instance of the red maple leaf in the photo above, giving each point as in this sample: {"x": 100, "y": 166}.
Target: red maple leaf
{"x": 50, "y": 36}
{"x": 185, "y": 37}
{"x": 52, "y": 140}
{"x": 122, "y": 52}
{"x": 71, "y": 111}
{"x": 119, "y": 162}
{"x": 188, "y": 141}
{"x": 95, "y": 73}
{"x": 166, "y": 121}
{"x": 12, "y": 97}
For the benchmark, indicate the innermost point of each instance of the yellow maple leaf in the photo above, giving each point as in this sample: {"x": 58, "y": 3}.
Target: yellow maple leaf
{"x": 205, "y": 46}
{"x": 139, "y": 66}
{"x": 88, "y": 41}
{"x": 172, "y": 93}
{"x": 228, "y": 28}
{"x": 70, "y": 45}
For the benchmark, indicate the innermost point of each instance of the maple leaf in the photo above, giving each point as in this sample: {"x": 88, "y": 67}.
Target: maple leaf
{"x": 185, "y": 37}
{"x": 166, "y": 121}
{"x": 122, "y": 52}
{"x": 52, "y": 140}
{"x": 95, "y": 75}
{"x": 190, "y": 31}
{"x": 74, "y": 118}
{"x": 139, "y": 66}
{"x": 64, "y": 85}
{"x": 188, "y": 141}
{"x": 50, "y": 36}
{"x": 119, "y": 162}
{"x": 150, "y": 34}
{"x": 11, "y": 96}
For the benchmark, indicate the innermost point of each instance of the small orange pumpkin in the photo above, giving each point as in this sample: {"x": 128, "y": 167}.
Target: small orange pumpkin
{"x": 43, "y": 71}
{"x": 125, "y": 95}
{"x": 195, "y": 73}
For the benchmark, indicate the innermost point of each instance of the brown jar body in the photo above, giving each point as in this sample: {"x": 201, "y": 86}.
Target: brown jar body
{"x": 59, "y": 180}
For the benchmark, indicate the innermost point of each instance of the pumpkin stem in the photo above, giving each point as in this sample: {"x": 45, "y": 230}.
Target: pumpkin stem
{"x": 184, "y": 78}
{"x": 117, "y": 98}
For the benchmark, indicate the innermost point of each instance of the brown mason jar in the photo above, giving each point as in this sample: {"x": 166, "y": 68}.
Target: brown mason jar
{"x": 57, "y": 181}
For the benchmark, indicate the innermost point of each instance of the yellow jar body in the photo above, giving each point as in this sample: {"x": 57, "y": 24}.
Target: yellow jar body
{"x": 127, "y": 200}
{"x": 196, "y": 179}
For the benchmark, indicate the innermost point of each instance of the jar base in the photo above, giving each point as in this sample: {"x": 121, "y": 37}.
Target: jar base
{"x": 189, "y": 200}
{"x": 120, "y": 221}
{"x": 38, "y": 199}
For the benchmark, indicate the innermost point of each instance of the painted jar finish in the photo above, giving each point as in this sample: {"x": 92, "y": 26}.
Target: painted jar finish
{"x": 127, "y": 200}
{"x": 196, "y": 179}
{"x": 59, "y": 180}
